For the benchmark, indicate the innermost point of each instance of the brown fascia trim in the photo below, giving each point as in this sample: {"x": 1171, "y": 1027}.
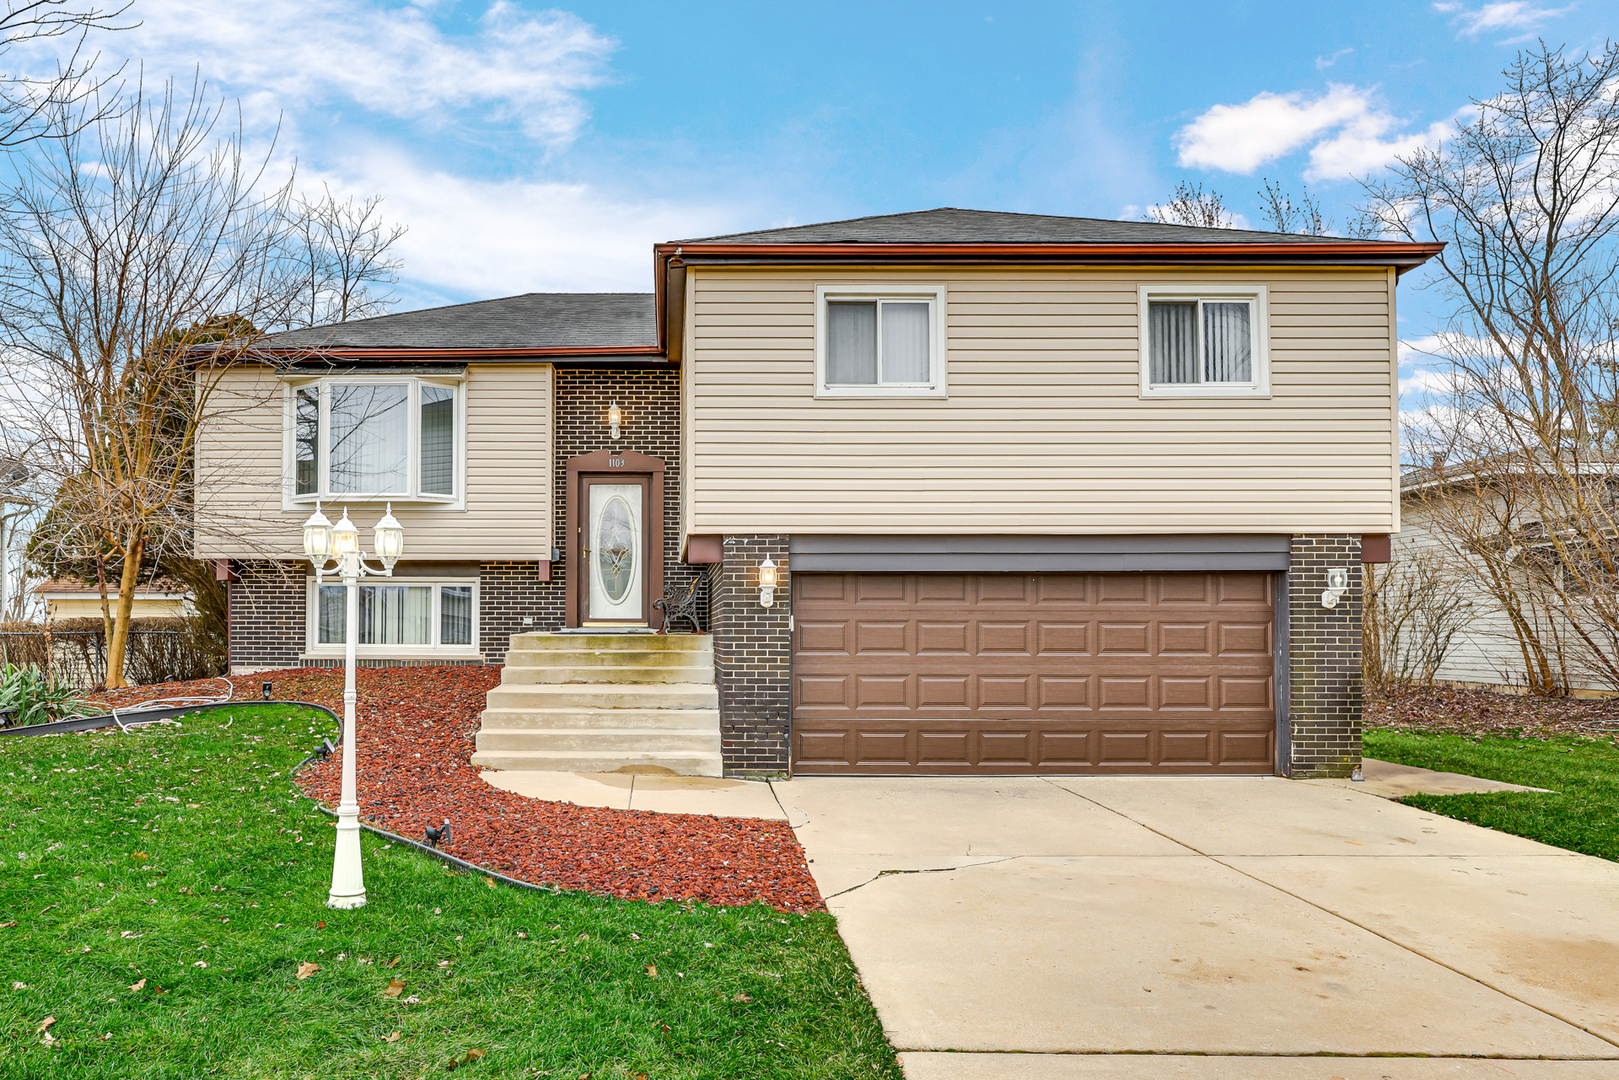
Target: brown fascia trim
{"x": 600, "y": 354}
{"x": 1363, "y": 253}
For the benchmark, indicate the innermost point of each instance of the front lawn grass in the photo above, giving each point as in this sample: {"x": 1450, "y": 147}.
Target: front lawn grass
{"x": 159, "y": 890}
{"x": 1583, "y": 816}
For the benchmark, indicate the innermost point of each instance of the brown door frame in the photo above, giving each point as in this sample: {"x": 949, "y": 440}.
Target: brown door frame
{"x": 610, "y": 465}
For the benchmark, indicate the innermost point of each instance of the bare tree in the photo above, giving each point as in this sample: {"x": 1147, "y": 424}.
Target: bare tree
{"x": 28, "y": 102}
{"x": 143, "y": 257}
{"x": 1413, "y": 613}
{"x": 344, "y": 248}
{"x": 1521, "y": 450}
{"x": 1192, "y": 206}
{"x": 1286, "y": 216}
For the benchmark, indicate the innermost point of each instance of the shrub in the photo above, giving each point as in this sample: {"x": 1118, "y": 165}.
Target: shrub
{"x": 30, "y": 696}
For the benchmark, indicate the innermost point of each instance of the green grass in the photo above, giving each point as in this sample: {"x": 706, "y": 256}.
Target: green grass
{"x": 1583, "y": 816}
{"x": 143, "y": 856}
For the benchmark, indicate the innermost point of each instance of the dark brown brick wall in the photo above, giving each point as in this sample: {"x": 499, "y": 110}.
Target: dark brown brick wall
{"x": 752, "y": 657}
{"x": 267, "y": 605}
{"x": 1324, "y": 683}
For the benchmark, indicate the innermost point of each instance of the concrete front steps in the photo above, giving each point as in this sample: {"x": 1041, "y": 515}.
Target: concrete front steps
{"x": 604, "y": 703}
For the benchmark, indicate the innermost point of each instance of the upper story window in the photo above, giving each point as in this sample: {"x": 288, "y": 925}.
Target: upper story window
{"x": 879, "y": 341}
{"x": 1200, "y": 341}
{"x": 372, "y": 437}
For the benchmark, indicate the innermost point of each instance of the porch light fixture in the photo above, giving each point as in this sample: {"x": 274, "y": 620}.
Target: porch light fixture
{"x": 1337, "y": 585}
{"x": 326, "y": 544}
{"x": 615, "y": 417}
{"x": 769, "y": 578}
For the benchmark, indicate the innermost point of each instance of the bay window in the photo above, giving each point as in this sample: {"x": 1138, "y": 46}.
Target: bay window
{"x": 399, "y": 617}
{"x": 357, "y": 438}
{"x": 1203, "y": 342}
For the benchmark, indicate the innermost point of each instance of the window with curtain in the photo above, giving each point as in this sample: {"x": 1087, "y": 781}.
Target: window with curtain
{"x": 397, "y": 438}
{"x": 423, "y": 615}
{"x": 873, "y": 344}
{"x": 1201, "y": 341}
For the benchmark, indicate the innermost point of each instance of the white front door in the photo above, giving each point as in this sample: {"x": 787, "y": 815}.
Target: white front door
{"x": 614, "y": 542}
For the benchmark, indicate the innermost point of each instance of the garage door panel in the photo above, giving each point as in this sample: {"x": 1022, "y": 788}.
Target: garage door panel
{"x": 962, "y": 673}
{"x": 1063, "y": 638}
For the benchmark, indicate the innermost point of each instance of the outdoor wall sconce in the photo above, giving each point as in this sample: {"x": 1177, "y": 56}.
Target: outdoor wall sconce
{"x": 1337, "y": 585}
{"x": 769, "y": 578}
{"x": 615, "y": 417}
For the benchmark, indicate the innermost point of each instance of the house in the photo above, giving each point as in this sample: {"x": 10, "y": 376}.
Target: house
{"x": 1450, "y": 628}
{"x": 65, "y": 600}
{"x": 1025, "y": 494}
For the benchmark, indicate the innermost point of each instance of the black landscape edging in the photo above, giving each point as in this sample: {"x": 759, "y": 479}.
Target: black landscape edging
{"x": 126, "y": 717}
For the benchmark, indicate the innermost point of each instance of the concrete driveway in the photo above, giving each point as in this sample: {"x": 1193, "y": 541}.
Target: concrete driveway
{"x": 1207, "y": 929}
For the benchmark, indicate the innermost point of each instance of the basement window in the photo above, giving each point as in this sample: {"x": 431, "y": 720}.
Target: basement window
{"x": 401, "y": 618}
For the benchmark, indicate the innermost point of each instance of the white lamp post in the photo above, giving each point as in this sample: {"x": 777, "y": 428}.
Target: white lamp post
{"x": 325, "y": 543}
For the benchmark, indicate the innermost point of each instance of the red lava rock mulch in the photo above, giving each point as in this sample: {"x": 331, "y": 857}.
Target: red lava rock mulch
{"x": 1481, "y": 712}
{"x": 416, "y": 728}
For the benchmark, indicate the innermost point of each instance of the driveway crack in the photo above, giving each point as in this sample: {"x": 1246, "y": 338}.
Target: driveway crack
{"x": 927, "y": 870}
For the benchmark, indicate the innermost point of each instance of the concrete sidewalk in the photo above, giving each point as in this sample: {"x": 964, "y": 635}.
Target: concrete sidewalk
{"x": 1067, "y": 928}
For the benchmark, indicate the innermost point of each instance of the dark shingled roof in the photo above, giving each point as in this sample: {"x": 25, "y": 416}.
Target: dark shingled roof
{"x": 948, "y": 225}
{"x": 529, "y": 321}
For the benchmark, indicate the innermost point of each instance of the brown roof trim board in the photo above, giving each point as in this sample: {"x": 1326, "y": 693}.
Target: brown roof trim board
{"x": 1347, "y": 253}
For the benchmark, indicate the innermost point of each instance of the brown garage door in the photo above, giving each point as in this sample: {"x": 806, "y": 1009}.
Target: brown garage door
{"x": 1033, "y": 673}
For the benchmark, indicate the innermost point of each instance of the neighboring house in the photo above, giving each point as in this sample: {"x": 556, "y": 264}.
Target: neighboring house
{"x": 1483, "y": 649}
{"x": 65, "y": 600}
{"x": 1045, "y": 494}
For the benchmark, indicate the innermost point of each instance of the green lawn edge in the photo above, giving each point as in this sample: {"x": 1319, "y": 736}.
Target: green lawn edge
{"x": 1581, "y": 814}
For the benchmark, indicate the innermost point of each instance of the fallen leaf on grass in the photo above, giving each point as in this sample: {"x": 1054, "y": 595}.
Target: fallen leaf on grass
{"x": 19, "y": 986}
{"x": 48, "y": 1039}
{"x": 489, "y": 881}
{"x": 306, "y": 969}
{"x": 8, "y": 925}
{"x": 466, "y": 1059}
{"x": 394, "y": 962}
{"x": 193, "y": 806}
{"x": 652, "y": 970}
{"x": 44, "y": 1025}
{"x": 393, "y": 1038}
{"x": 127, "y": 934}
{"x": 139, "y": 986}
{"x": 743, "y": 998}
{"x": 395, "y": 988}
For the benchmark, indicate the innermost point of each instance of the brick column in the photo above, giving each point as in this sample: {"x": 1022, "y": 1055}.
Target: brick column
{"x": 508, "y": 593}
{"x": 1324, "y": 682}
{"x": 268, "y": 602}
{"x": 752, "y": 657}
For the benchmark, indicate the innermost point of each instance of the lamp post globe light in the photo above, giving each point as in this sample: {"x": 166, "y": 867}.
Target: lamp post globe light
{"x": 335, "y": 549}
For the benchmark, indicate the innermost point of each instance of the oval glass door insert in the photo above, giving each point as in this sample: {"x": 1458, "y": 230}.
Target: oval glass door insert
{"x": 615, "y": 549}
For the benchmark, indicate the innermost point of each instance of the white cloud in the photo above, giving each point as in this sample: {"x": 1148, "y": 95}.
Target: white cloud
{"x": 1350, "y": 134}
{"x": 1322, "y": 63}
{"x": 522, "y": 69}
{"x": 1422, "y": 381}
{"x": 1504, "y": 15}
{"x": 477, "y": 238}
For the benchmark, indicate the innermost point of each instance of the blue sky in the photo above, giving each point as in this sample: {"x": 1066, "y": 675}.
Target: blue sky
{"x": 532, "y": 148}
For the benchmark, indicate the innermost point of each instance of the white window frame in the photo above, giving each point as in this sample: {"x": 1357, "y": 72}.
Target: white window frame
{"x": 935, "y": 387}
{"x": 1258, "y": 325}
{"x": 291, "y": 500}
{"x": 313, "y": 646}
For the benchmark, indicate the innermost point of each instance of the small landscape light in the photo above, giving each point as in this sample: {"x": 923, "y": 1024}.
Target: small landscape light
{"x": 266, "y": 690}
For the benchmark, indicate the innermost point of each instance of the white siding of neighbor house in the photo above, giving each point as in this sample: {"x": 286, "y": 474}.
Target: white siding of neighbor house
{"x": 1486, "y": 651}
{"x": 1044, "y": 429}
{"x": 509, "y": 420}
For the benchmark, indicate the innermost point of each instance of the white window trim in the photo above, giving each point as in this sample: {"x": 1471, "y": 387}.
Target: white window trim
{"x": 314, "y": 647}
{"x": 290, "y": 500}
{"x": 1259, "y": 326}
{"x": 933, "y": 294}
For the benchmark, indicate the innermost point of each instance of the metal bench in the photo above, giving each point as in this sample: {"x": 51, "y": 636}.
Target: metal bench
{"x": 678, "y": 604}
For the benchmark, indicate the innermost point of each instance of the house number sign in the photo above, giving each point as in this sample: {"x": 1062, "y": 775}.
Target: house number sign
{"x": 615, "y": 463}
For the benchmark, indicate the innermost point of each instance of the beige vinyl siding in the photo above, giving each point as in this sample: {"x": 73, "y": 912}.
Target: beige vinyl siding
{"x": 1044, "y": 429}
{"x": 509, "y": 418}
